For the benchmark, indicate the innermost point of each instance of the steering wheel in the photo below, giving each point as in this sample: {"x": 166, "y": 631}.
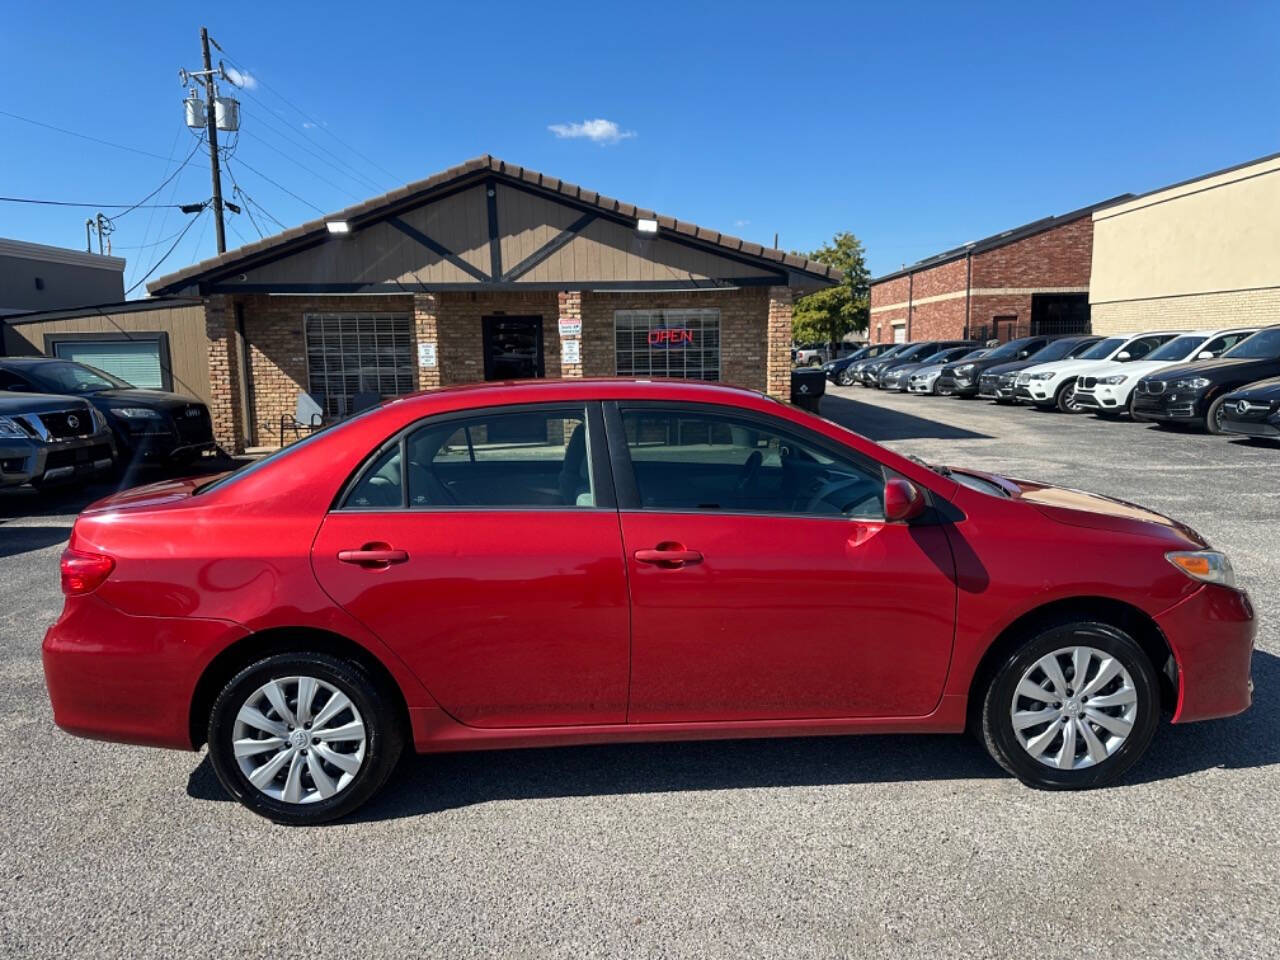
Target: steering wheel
{"x": 835, "y": 487}
{"x": 750, "y": 469}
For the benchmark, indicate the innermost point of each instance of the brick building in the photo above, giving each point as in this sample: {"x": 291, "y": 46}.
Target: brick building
{"x": 485, "y": 271}
{"x": 1031, "y": 279}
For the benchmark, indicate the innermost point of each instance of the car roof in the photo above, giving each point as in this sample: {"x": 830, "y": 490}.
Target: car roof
{"x": 599, "y": 388}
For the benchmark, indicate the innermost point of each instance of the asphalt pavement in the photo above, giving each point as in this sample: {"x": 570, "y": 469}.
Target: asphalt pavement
{"x": 864, "y": 847}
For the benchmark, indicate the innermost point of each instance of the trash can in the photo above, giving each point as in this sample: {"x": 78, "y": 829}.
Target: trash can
{"x": 807, "y": 387}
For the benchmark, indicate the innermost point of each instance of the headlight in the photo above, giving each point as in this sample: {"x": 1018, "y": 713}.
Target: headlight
{"x": 1192, "y": 383}
{"x": 1040, "y": 376}
{"x": 1208, "y": 566}
{"x": 1112, "y": 381}
{"x": 9, "y": 428}
{"x": 965, "y": 368}
{"x": 135, "y": 413}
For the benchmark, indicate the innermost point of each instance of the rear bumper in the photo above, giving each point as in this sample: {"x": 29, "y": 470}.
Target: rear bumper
{"x": 112, "y": 676}
{"x": 1211, "y": 633}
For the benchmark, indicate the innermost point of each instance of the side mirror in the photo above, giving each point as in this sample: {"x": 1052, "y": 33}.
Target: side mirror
{"x": 1023, "y": 354}
{"x": 1124, "y": 355}
{"x": 1205, "y": 355}
{"x": 903, "y": 500}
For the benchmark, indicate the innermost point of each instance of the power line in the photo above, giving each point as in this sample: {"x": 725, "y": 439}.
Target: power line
{"x": 341, "y": 166}
{"x": 303, "y": 167}
{"x": 151, "y": 214}
{"x": 315, "y": 123}
{"x": 147, "y": 246}
{"x": 165, "y": 182}
{"x": 85, "y": 136}
{"x": 97, "y": 206}
{"x": 281, "y": 187}
{"x": 190, "y": 223}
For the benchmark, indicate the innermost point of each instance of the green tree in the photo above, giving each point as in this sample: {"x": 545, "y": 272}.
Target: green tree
{"x": 826, "y": 316}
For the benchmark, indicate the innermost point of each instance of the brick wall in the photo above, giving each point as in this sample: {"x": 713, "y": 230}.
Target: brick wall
{"x": 1061, "y": 257}
{"x": 461, "y": 332}
{"x": 224, "y": 375}
{"x": 1237, "y": 308}
{"x": 888, "y": 308}
{"x": 778, "y": 344}
{"x": 745, "y": 321}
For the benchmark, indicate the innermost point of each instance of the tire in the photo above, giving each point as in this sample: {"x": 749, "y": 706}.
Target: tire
{"x": 1213, "y": 417}
{"x": 1091, "y": 767}
{"x": 1065, "y": 398}
{"x": 369, "y": 702}
{"x": 844, "y": 378}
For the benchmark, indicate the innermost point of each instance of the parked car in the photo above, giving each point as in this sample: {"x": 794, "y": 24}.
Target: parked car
{"x": 998, "y": 381}
{"x": 1253, "y": 410}
{"x": 1195, "y": 393}
{"x": 961, "y": 379}
{"x": 895, "y": 376}
{"x": 813, "y": 355}
{"x": 925, "y": 377}
{"x": 148, "y": 425}
{"x": 1107, "y": 389}
{"x": 916, "y": 350}
{"x": 858, "y": 369}
{"x": 1054, "y": 384}
{"x": 838, "y": 371}
{"x": 51, "y": 439}
{"x": 631, "y": 575}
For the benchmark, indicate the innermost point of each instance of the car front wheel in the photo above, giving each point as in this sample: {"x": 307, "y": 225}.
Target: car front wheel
{"x": 1066, "y": 399}
{"x": 303, "y": 738}
{"x": 1214, "y": 417}
{"x": 845, "y": 379}
{"x": 1072, "y": 709}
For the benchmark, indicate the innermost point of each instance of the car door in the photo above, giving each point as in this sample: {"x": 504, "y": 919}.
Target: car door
{"x": 484, "y": 550}
{"x": 764, "y": 581}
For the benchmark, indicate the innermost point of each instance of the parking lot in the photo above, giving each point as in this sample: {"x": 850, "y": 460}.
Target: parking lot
{"x": 871, "y": 846}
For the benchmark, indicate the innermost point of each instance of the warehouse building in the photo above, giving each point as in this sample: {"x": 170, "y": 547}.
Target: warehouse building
{"x": 34, "y": 276}
{"x": 486, "y": 271}
{"x": 1032, "y": 279}
{"x": 1202, "y": 253}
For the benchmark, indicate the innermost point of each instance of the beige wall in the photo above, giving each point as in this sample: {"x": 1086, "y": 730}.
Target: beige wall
{"x": 1205, "y": 253}
{"x": 185, "y": 325}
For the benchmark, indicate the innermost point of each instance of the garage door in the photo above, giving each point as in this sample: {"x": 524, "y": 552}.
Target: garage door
{"x": 134, "y": 361}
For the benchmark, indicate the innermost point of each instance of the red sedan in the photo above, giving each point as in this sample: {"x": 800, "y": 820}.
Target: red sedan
{"x": 586, "y": 561}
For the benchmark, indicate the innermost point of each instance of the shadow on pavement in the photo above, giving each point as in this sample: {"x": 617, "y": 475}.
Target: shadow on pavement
{"x": 431, "y": 783}
{"x": 881, "y": 423}
{"x": 16, "y": 540}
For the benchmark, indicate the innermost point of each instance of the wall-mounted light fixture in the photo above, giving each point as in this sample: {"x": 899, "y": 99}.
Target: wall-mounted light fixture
{"x": 338, "y": 226}
{"x": 646, "y": 226}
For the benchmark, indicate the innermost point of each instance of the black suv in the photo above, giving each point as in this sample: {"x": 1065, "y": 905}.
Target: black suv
{"x": 911, "y": 352}
{"x": 961, "y": 379}
{"x": 838, "y": 371}
{"x": 148, "y": 425}
{"x": 998, "y": 382}
{"x": 1253, "y": 411}
{"x": 1195, "y": 393}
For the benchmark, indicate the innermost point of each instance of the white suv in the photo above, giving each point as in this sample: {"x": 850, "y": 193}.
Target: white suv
{"x": 1054, "y": 384}
{"x": 1107, "y": 389}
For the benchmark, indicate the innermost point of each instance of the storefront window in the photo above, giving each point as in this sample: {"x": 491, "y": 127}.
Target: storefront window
{"x": 354, "y": 356}
{"x": 668, "y": 343}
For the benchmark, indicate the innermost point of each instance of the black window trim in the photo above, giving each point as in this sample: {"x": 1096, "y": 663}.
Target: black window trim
{"x": 601, "y": 471}
{"x": 629, "y": 494}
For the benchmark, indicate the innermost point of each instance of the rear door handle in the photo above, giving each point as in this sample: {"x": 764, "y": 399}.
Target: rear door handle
{"x": 373, "y": 556}
{"x": 669, "y": 555}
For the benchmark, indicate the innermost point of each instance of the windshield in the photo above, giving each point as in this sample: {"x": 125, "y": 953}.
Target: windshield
{"x": 1059, "y": 350}
{"x": 917, "y": 351}
{"x": 64, "y": 376}
{"x": 1007, "y": 350}
{"x": 1179, "y": 348}
{"x": 1104, "y": 348}
{"x": 1263, "y": 345}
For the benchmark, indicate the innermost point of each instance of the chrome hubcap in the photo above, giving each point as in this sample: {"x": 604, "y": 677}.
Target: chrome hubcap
{"x": 299, "y": 739}
{"x": 1074, "y": 708}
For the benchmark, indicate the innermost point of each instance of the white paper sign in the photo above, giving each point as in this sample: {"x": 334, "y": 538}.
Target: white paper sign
{"x": 570, "y": 351}
{"x": 570, "y": 328}
{"x": 427, "y": 356}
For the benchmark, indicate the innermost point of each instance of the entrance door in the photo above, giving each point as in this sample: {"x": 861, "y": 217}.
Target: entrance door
{"x": 789, "y": 596}
{"x": 513, "y": 348}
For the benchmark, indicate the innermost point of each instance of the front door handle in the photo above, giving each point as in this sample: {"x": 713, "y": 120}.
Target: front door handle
{"x": 668, "y": 555}
{"x": 373, "y": 556}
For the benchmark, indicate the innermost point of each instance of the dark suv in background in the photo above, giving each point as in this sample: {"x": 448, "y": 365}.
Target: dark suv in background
{"x": 841, "y": 371}
{"x": 998, "y": 382}
{"x": 1195, "y": 393}
{"x": 961, "y": 379}
{"x": 148, "y": 425}
{"x": 909, "y": 353}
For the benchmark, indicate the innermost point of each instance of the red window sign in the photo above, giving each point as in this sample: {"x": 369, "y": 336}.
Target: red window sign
{"x": 670, "y": 337}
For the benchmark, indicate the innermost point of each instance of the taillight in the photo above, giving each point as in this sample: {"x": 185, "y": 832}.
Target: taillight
{"x": 84, "y": 572}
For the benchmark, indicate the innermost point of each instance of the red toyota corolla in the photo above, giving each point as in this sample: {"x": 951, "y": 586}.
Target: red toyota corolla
{"x": 585, "y": 561}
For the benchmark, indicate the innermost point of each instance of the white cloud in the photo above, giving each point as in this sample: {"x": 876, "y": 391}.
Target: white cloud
{"x": 741, "y": 223}
{"x": 597, "y": 131}
{"x": 242, "y": 78}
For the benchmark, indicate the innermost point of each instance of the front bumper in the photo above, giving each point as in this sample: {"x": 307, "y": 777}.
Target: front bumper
{"x": 953, "y": 386}
{"x": 1256, "y": 423}
{"x": 24, "y": 461}
{"x": 112, "y": 676}
{"x": 1211, "y": 634}
{"x": 1175, "y": 407}
{"x": 921, "y": 385}
{"x": 996, "y": 388}
{"x": 1035, "y": 391}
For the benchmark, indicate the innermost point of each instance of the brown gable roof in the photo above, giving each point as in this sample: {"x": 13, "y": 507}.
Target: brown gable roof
{"x": 487, "y": 165}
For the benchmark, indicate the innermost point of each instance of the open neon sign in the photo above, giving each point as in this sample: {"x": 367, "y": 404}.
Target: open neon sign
{"x": 670, "y": 337}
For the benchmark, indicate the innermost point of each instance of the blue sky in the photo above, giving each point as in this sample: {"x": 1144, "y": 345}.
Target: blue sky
{"x": 916, "y": 126}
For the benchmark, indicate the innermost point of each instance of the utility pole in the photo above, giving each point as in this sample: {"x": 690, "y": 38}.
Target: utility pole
{"x": 211, "y": 125}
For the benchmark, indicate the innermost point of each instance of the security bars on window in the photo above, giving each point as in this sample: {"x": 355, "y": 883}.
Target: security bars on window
{"x": 668, "y": 343}
{"x": 350, "y": 354}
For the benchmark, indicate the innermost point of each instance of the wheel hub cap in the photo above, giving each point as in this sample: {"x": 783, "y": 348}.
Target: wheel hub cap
{"x": 299, "y": 740}
{"x": 1074, "y": 708}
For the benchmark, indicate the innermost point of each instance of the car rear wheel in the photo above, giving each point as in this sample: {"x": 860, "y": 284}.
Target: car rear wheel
{"x": 303, "y": 738}
{"x": 1074, "y": 708}
{"x": 1066, "y": 398}
{"x": 1214, "y": 417}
